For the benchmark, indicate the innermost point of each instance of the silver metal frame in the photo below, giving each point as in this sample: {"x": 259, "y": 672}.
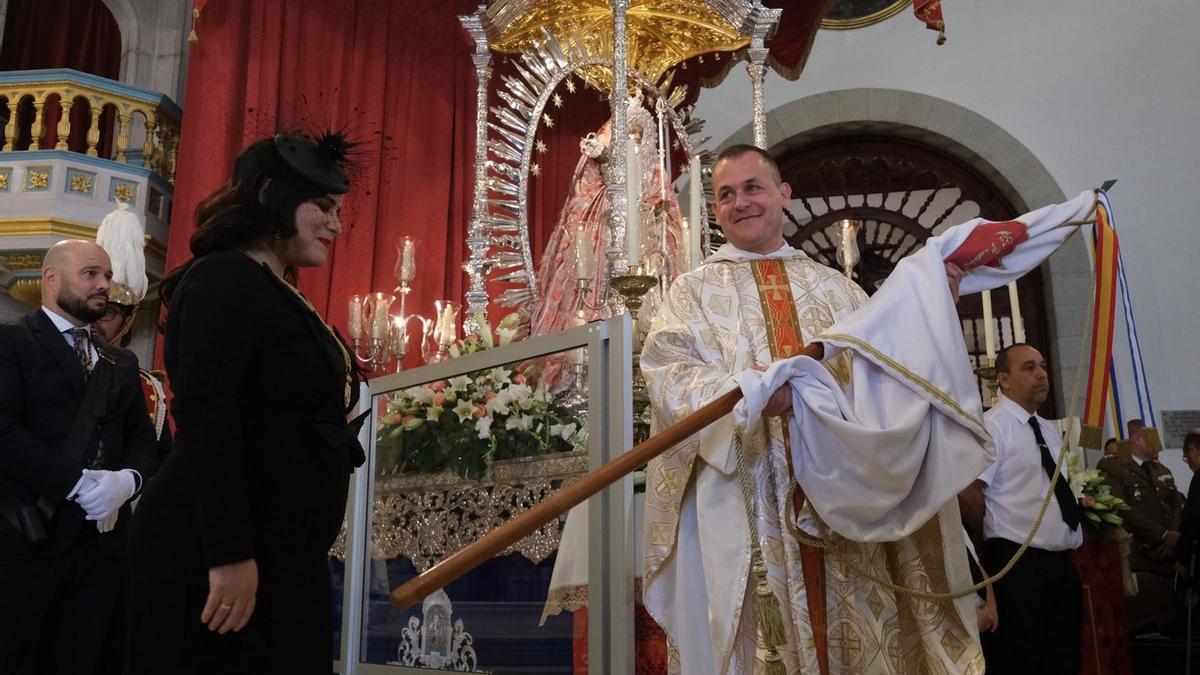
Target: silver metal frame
{"x": 610, "y": 551}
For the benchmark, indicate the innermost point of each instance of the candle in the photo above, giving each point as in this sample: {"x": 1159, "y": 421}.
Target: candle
{"x": 685, "y": 233}
{"x": 989, "y": 340}
{"x": 663, "y": 174}
{"x": 849, "y": 247}
{"x": 695, "y": 211}
{"x": 354, "y": 323}
{"x": 381, "y": 322}
{"x": 400, "y": 331}
{"x": 408, "y": 260}
{"x": 585, "y": 261}
{"x": 1018, "y": 323}
{"x": 447, "y": 331}
{"x": 633, "y": 192}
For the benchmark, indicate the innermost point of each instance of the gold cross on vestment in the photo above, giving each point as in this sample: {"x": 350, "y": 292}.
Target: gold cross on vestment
{"x": 847, "y": 645}
{"x": 775, "y": 289}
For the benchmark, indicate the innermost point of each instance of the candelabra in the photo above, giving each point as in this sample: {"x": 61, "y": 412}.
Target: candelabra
{"x": 987, "y": 374}
{"x": 376, "y": 335}
{"x": 632, "y": 287}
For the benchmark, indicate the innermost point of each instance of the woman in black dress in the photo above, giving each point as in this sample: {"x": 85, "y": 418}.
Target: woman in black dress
{"x": 228, "y": 548}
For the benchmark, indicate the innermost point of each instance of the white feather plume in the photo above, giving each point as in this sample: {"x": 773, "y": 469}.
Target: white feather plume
{"x": 123, "y": 236}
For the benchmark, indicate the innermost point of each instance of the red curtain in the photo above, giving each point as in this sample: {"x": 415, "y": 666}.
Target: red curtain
{"x": 397, "y": 75}
{"x": 79, "y": 34}
{"x": 401, "y": 74}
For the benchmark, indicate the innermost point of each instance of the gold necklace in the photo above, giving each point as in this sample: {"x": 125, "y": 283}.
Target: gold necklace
{"x": 332, "y": 335}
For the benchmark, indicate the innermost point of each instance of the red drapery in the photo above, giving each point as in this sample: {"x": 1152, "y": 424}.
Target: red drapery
{"x": 398, "y": 75}
{"x": 403, "y": 70}
{"x": 79, "y": 34}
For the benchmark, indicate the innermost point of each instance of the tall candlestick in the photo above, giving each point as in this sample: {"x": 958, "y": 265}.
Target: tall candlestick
{"x": 696, "y": 210}
{"x": 1017, "y": 322}
{"x": 988, "y": 340}
{"x": 633, "y": 191}
{"x": 354, "y": 323}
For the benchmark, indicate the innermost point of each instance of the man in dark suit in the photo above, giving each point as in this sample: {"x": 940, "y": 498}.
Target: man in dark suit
{"x": 73, "y": 452}
{"x": 1190, "y": 529}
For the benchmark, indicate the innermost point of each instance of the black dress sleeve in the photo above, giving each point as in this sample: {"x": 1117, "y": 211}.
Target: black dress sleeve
{"x": 212, "y": 341}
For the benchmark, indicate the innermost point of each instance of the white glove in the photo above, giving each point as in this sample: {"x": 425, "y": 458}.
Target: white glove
{"x": 108, "y": 523}
{"x": 112, "y": 489}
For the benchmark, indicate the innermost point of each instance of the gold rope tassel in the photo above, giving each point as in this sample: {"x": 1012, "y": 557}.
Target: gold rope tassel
{"x": 192, "y": 37}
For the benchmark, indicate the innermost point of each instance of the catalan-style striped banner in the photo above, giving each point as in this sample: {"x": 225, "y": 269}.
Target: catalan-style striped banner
{"x": 1104, "y": 240}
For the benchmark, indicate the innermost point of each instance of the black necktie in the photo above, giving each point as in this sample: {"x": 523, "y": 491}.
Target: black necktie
{"x": 1062, "y": 490}
{"x": 82, "y": 352}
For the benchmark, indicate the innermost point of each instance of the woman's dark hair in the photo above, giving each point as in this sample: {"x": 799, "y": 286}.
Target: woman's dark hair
{"x": 259, "y": 201}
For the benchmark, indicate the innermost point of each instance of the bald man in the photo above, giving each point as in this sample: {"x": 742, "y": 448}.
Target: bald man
{"x": 75, "y": 444}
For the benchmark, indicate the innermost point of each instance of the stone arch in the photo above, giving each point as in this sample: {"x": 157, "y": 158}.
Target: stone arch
{"x": 974, "y": 139}
{"x": 127, "y": 23}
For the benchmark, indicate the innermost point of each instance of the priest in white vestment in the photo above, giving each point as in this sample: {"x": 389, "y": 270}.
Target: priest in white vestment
{"x": 894, "y": 511}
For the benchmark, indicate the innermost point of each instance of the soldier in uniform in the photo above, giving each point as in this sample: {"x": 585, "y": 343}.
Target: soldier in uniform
{"x": 1155, "y": 505}
{"x": 121, "y": 234}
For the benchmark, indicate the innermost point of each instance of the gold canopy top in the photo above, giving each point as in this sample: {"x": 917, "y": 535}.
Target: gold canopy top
{"x": 659, "y": 33}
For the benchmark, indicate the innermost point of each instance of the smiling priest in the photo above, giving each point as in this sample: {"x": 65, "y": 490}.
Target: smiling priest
{"x": 816, "y": 529}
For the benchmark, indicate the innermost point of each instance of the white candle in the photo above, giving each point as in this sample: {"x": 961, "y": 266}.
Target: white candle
{"x": 633, "y": 193}
{"x": 1015, "y": 303}
{"x": 585, "y": 261}
{"x": 381, "y": 322}
{"x": 448, "y": 328}
{"x": 400, "y": 332}
{"x": 408, "y": 260}
{"x": 988, "y": 340}
{"x": 695, "y": 211}
{"x": 354, "y": 323}
{"x": 662, "y": 153}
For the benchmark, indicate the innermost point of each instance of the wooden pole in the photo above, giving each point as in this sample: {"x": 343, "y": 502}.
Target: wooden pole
{"x": 554, "y": 506}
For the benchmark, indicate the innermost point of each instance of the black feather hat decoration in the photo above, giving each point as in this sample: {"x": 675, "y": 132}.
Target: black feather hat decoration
{"x": 323, "y": 160}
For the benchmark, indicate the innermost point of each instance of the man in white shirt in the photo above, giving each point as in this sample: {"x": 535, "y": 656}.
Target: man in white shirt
{"x": 1039, "y": 600}
{"x": 66, "y": 477}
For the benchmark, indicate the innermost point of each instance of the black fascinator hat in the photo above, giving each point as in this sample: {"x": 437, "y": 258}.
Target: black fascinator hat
{"x": 322, "y": 161}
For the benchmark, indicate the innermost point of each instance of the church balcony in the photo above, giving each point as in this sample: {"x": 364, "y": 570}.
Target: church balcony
{"x": 73, "y": 145}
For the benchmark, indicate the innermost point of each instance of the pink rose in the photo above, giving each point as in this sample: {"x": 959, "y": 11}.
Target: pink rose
{"x": 437, "y": 386}
{"x": 439, "y": 398}
{"x": 480, "y": 411}
{"x": 489, "y": 396}
{"x": 519, "y": 379}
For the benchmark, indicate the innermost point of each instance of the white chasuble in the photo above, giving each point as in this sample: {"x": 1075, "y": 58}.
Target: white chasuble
{"x": 697, "y": 582}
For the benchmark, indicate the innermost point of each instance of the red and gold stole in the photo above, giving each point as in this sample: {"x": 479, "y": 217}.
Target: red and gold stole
{"x": 785, "y": 339}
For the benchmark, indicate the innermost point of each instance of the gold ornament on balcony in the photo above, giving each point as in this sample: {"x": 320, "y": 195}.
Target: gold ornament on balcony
{"x": 123, "y": 192}
{"x": 3, "y": 181}
{"x": 38, "y": 180}
{"x": 80, "y": 183}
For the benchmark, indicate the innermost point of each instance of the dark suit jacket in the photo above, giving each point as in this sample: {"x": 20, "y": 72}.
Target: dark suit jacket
{"x": 1189, "y": 529}
{"x": 41, "y": 387}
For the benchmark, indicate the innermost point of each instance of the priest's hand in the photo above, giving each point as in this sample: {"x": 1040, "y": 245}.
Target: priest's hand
{"x": 780, "y": 403}
{"x": 231, "y": 592}
{"x": 954, "y": 276}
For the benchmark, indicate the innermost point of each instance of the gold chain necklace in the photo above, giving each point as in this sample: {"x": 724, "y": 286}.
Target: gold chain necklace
{"x": 332, "y": 335}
